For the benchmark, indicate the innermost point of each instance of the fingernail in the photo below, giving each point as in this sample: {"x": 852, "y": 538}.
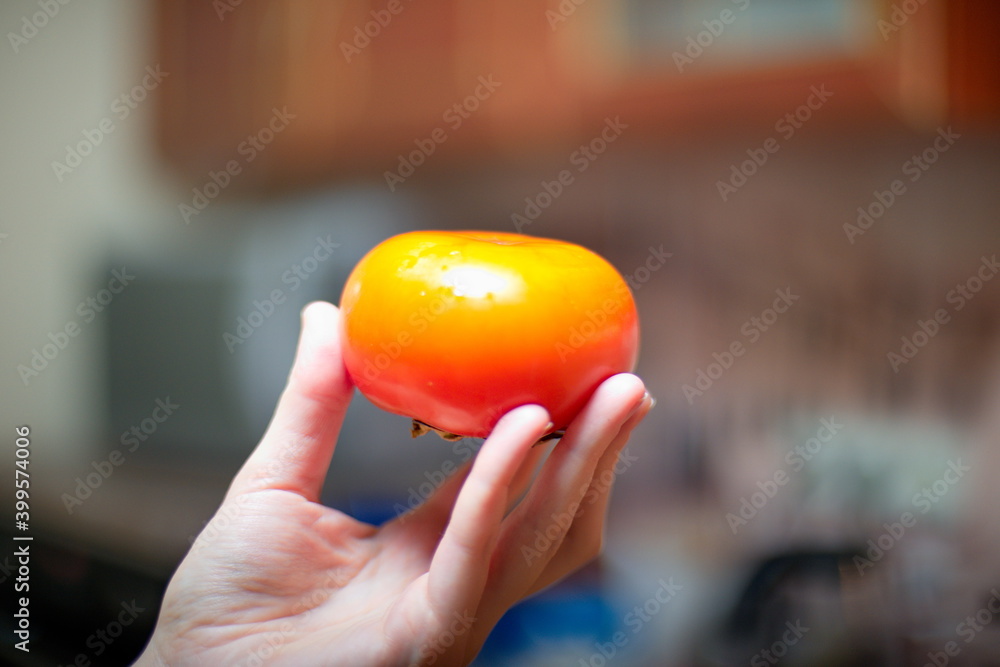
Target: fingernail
{"x": 647, "y": 400}
{"x": 638, "y": 404}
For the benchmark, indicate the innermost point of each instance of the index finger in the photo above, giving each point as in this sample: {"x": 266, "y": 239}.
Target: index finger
{"x": 461, "y": 564}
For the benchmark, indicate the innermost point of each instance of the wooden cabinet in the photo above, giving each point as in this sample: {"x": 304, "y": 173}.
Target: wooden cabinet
{"x": 366, "y": 86}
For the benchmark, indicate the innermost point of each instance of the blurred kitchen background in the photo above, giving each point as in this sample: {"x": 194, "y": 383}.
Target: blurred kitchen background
{"x": 818, "y": 483}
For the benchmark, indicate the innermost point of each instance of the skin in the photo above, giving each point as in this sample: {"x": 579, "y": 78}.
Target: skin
{"x": 278, "y": 577}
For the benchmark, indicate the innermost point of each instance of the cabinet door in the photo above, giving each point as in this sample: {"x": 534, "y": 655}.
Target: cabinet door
{"x": 362, "y": 86}
{"x": 364, "y": 83}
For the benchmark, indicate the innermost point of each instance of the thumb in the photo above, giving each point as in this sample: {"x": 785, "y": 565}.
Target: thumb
{"x": 296, "y": 449}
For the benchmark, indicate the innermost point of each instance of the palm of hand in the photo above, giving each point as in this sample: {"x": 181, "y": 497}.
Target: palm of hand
{"x": 278, "y": 578}
{"x": 319, "y": 579}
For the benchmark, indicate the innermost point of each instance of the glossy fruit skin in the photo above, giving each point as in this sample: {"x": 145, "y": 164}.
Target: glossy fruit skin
{"x": 457, "y": 328}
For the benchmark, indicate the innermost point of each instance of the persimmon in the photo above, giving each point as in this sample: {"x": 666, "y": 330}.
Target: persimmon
{"x": 454, "y": 329}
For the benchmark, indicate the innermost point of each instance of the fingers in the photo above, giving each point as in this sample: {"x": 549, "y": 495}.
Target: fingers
{"x": 585, "y": 538}
{"x": 534, "y": 531}
{"x": 295, "y": 452}
{"x": 460, "y": 566}
{"x": 526, "y": 473}
{"x": 436, "y": 510}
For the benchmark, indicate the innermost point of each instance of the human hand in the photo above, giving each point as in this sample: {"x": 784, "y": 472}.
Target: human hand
{"x": 278, "y": 578}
